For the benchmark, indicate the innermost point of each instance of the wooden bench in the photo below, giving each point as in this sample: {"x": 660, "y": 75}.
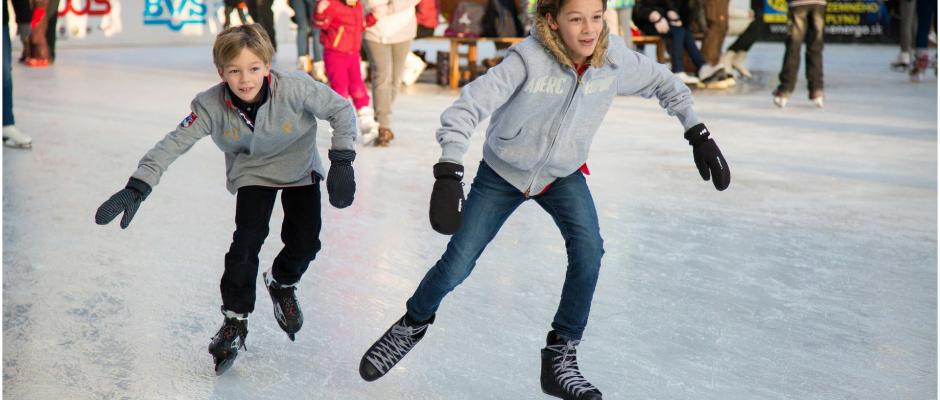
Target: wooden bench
{"x": 470, "y": 54}
{"x": 656, "y": 40}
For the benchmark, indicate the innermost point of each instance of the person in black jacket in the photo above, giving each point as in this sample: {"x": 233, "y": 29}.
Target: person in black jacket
{"x": 670, "y": 19}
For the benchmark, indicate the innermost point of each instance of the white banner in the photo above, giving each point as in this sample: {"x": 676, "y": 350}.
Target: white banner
{"x": 151, "y": 22}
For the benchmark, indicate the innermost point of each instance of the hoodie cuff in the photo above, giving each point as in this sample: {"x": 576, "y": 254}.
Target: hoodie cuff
{"x": 688, "y": 118}
{"x": 453, "y": 153}
{"x": 343, "y": 143}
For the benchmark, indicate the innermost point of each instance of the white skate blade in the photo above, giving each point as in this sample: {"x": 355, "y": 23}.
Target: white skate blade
{"x": 17, "y": 145}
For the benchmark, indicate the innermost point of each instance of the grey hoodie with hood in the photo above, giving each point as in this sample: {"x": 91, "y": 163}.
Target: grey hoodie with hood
{"x": 544, "y": 116}
{"x": 281, "y": 150}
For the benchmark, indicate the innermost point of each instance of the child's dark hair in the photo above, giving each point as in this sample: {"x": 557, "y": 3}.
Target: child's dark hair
{"x": 553, "y": 7}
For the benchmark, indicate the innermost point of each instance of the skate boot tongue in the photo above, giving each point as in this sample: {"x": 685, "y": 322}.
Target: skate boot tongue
{"x": 561, "y": 376}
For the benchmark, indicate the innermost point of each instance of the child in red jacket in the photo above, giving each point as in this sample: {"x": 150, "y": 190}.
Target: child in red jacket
{"x": 341, "y": 24}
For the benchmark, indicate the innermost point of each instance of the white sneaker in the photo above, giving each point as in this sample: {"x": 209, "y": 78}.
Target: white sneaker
{"x": 12, "y": 137}
{"x": 780, "y": 101}
{"x": 368, "y": 127}
{"x": 687, "y": 79}
{"x": 737, "y": 62}
{"x": 318, "y": 71}
{"x": 709, "y": 70}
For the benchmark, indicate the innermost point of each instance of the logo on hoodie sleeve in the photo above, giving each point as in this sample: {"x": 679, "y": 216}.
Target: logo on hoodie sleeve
{"x": 188, "y": 121}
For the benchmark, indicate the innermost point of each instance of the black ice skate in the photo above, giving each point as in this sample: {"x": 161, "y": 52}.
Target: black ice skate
{"x": 560, "y": 375}
{"x": 226, "y": 342}
{"x": 286, "y": 310}
{"x": 392, "y": 347}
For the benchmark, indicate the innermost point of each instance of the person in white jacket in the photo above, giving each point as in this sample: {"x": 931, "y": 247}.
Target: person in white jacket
{"x": 388, "y": 43}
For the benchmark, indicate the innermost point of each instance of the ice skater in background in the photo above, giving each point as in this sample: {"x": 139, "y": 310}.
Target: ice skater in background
{"x": 265, "y": 121}
{"x": 806, "y": 22}
{"x": 341, "y": 24}
{"x": 547, "y": 99}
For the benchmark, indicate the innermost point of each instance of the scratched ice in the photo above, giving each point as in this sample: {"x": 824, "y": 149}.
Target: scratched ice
{"x": 813, "y": 277}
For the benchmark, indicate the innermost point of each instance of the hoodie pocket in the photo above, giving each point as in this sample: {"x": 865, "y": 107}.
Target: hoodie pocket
{"x": 521, "y": 149}
{"x": 510, "y": 137}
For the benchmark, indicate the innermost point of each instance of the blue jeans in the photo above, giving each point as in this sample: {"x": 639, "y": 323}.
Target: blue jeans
{"x": 926, "y": 11}
{"x": 489, "y": 204}
{"x": 682, "y": 42}
{"x": 303, "y": 10}
{"x": 7, "y": 79}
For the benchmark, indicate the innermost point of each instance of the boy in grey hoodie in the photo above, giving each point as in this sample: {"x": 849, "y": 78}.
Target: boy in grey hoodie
{"x": 547, "y": 99}
{"x": 265, "y": 121}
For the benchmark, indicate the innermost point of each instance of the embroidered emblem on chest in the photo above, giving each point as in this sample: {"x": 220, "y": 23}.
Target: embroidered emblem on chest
{"x": 286, "y": 127}
{"x": 231, "y": 133}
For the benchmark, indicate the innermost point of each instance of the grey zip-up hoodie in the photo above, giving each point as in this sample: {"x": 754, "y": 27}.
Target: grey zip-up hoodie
{"x": 544, "y": 116}
{"x": 282, "y": 149}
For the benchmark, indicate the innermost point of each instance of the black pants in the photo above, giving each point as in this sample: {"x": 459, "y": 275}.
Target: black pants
{"x": 260, "y": 11}
{"x": 751, "y": 34}
{"x": 804, "y": 23}
{"x": 300, "y": 233}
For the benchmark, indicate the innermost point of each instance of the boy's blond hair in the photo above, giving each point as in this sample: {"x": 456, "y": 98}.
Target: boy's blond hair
{"x": 230, "y": 42}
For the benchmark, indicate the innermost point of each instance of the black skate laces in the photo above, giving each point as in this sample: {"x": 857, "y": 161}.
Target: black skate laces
{"x": 285, "y": 296}
{"x": 230, "y": 329}
{"x": 394, "y": 345}
{"x": 565, "y": 366}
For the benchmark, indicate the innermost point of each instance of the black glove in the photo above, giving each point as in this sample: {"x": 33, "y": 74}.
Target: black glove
{"x": 340, "y": 181}
{"x": 708, "y": 157}
{"x": 447, "y": 198}
{"x": 127, "y": 200}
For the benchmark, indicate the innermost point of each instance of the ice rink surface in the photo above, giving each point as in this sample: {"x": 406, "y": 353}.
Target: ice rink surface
{"x": 814, "y": 276}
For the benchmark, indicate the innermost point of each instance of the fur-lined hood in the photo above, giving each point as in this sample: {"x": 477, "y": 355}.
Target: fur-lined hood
{"x": 556, "y": 47}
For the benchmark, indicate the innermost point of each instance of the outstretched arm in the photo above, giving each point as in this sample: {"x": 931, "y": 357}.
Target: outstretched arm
{"x": 647, "y": 78}
{"x": 151, "y": 168}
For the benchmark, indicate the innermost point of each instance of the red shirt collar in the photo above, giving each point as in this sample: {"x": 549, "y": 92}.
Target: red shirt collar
{"x": 581, "y": 68}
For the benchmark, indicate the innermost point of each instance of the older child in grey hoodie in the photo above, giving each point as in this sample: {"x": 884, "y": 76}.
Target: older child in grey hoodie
{"x": 547, "y": 98}
{"x": 265, "y": 122}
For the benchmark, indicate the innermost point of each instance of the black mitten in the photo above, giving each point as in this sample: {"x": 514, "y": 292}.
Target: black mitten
{"x": 708, "y": 157}
{"x": 341, "y": 181}
{"x": 447, "y": 198}
{"x": 126, "y": 201}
